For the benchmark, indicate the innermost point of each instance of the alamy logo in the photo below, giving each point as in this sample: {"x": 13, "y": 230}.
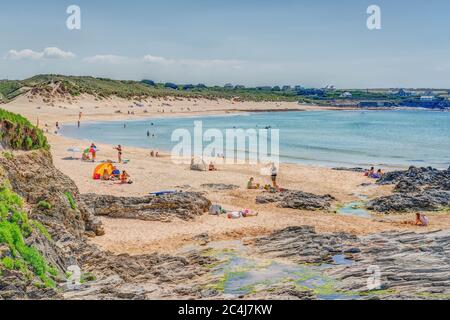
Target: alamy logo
{"x": 74, "y": 277}
{"x": 73, "y": 22}
{"x": 229, "y": 146}
{"x": 374, "y": 20}
{"x": 374, "y": 279}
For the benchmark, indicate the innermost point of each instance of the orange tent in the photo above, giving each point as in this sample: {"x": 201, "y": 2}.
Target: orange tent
{"x": 100, "y": 169}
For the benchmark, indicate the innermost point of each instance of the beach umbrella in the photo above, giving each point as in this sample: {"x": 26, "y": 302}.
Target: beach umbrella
{"x": 73, "y": 150}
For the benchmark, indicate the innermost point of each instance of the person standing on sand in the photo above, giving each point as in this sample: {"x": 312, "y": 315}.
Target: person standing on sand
{"x": 119, "y": 153}
{"x": 274, "y": 174}
{"x": 93, "y": 151}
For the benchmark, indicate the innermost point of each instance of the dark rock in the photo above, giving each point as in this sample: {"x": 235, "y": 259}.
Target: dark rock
{"x": 220, "y": 186}
{"x": 427, "y": 200}
{"x": 416, "y": 189}
{"x": 420, "y": 177}
{"x": 296, "y": 200}
{"x": 357, "y": 169}
{"x": 183, "y": 205}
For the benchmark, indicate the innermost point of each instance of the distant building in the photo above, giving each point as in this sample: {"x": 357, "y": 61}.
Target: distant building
{"x": 286, "y": 88}
{"x": 403, "y": 93}
{"x": 228, "y": 86}
{"x": 427, "y": 98}
{"x": 346, "y": 95}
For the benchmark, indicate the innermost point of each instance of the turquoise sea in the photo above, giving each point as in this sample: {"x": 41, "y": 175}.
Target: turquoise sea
{"x": 331, "y": 138}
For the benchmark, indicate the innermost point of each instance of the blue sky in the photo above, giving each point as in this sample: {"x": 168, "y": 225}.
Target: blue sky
{"x": 250, "y": 42}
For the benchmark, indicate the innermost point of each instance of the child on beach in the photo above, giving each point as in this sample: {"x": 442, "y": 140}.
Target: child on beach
{"x": 251, "y": 184}
{"x": 125, "y": 178}
{"x": 212, "y": 167}
{"x": 421, "y": 220}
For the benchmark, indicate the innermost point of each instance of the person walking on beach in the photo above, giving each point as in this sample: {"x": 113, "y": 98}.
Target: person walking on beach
{"x": 274, "y": 174}
{"x": 119, "y": 153}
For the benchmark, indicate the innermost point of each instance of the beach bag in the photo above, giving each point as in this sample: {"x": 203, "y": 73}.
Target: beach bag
{"x": 215, "y": 210}
{"x": 97, "y": 176}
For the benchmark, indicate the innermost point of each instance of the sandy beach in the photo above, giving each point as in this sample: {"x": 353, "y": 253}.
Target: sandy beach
{"x": 153, "y": 174}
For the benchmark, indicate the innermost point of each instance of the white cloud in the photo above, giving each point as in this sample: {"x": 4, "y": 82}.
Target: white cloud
{"x": 56, "y": 53}
{"x": 47, "y": 53}
{"x": 201, "y": 63}
{"x": 106, "y": 58}
{"x": 155, "y": 59}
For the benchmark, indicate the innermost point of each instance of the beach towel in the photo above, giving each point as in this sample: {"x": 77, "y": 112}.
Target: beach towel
{"x": 161, "y": 193}
{"x": 234, "y": 215}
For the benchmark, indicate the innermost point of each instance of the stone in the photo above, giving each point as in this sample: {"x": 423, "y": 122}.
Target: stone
{"x": 182, "y": 205}
{"x": 296, "y": 200}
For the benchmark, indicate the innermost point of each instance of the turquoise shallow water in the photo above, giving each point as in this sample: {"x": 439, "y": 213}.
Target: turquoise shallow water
{"x": 330, "y": 138}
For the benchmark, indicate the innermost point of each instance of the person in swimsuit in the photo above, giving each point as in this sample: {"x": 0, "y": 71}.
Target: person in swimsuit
{"x": 119, "y": 153}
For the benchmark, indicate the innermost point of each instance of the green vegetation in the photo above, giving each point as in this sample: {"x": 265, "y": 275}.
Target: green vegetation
{"x": 43, "y": 230}
{"x": 48, "y": 85}
{"x": 18, "y": 133}
{"x": 87, "y": 277}
{"x": 72, "y": 202}
{"x": 8, "y": 155}
{"x": 44, "y": 205}
{"x": 15, "y": 227}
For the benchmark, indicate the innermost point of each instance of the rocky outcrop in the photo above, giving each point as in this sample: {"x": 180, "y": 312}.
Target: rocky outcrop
{"x": 410, "y": 265}
{"x": 182, "y": 205}
{"x": 428, "y": 200}
{"x": 415, "y": 189}
{"x": 296, "y": 200}
{"x": 152, "y": 276}
{"x": 427, "y": 178}
{"x": 303, "y": 245}
{"x": 52, "y": 199}
{"x": 220, "y": 186}
{"x": 34, "y": 177}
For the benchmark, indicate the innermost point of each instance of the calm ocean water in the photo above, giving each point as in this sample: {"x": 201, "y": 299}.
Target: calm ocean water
{"x": 330, "y": 138}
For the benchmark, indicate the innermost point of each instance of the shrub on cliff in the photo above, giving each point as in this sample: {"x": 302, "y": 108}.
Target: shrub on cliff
{"x": 15, "y": 228}
{"x": 18, "y": 133}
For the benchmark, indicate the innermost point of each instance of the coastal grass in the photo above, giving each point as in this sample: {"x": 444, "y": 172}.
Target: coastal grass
{"x": 71, "y": 200}
{"x": 15, "y": 228}
{"x": 19, "y": 134}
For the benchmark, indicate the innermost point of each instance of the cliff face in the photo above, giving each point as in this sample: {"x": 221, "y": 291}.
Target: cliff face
{"x": 53, "y": 230}
{"x": 41, "y": 223}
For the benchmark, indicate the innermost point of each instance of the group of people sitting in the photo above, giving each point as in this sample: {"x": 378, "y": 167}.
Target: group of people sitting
{"x": 374, "y": 175}
{"x": 90, "y": 153}
{"x": 116, "y": 175}
{"x": 154, "y": 154}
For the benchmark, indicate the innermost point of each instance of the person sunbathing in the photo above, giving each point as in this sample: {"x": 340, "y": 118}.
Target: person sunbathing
{"x": 85, "y": 157}
{"x": 106, "y": 176}
{"x": 369, "y": 172}
{"x": 212, "y": 167}
{"x": 421, "y": 220}
{"x": 251, "y": 184}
